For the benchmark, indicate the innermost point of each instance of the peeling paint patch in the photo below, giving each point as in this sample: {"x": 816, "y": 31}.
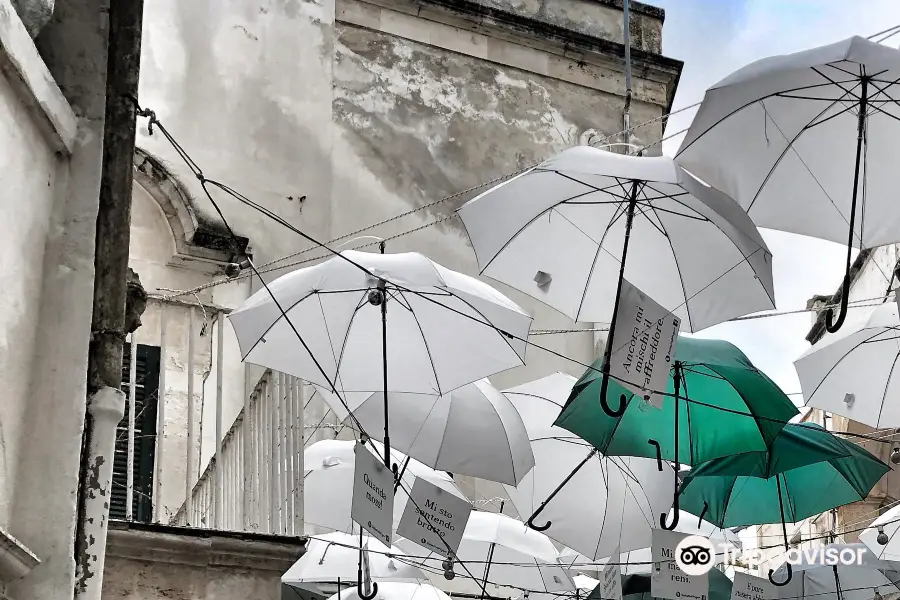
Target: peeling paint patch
{"x": 451, "y": 121}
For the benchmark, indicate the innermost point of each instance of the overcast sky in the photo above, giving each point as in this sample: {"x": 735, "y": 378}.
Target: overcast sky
{"x": 716, "y": 37}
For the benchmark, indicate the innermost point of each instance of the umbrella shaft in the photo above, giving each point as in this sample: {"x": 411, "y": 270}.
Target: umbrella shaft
{"x": 629, "y": 220}
{"x": 384, "y": 363}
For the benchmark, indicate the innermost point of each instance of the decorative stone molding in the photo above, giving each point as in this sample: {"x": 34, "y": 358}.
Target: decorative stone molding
{"x": 199, "y": 244}
{"x": 15, "y": 559}
{"x": 34, "y": 14}
{"x": 203, "y": 547}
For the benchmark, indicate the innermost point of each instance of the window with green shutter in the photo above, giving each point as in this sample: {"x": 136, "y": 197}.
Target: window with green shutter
{"x": 146, "y": 398}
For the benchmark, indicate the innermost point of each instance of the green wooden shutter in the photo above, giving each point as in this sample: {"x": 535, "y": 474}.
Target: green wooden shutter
{"x": 146, "y": 398}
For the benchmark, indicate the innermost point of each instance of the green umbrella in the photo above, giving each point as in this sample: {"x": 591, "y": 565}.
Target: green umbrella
{"x": 637, "y": 587}
{"x": 807, "y": 471}
{"x": 733, "y": 408}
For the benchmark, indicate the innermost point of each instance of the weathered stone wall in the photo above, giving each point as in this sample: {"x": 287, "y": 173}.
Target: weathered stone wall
{"x": 152, "y": 563}
{"x": 597, "y": 18}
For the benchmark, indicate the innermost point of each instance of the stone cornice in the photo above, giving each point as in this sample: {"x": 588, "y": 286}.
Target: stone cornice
{"x": 203, "y": 547}
{"x": 578, "y": 48}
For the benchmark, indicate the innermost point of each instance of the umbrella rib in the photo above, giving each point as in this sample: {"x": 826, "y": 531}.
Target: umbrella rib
{"x": 687, "y": 306}
{"x": 756, "y": 418}
{"x": 334, "y": 356}
{"x": 814, "y": 123}
{"x": 742, "y": 107}
{"x": 886, "y": 385}
{"x": 505, "y": 336}
{"x": 275, "y": 322}
{"x": 630, "y": 476}
{"x": 606, "y": 510}
{"x": 790, "y": 147}
{"x": 437, "y": 381}
{"x": 605, "y": 190}
{"x": 883, "y": 90}
{"x": 340, "y": 361}
{"x": 840, "y": 84}
{"x": 525, "y": 226}
{"x": 838, "y": 362}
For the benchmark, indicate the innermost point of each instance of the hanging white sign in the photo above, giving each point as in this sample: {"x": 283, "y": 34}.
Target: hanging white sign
{"x": 373, "y": 495}
{"x": 668, "y": 579}
{"x": 643, "y": 344}
{"x": 748, "y": 587}
{"x": 611, "y": 578}
{"x": 446, "y": 513}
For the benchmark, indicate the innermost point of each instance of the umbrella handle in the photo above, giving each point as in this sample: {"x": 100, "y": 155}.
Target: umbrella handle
{"x": 361, "y": 594}
{"x": 790, "y": 574}
{"x": 544, "y": 527}
{"x": 830, "y": 324}
{"x": 604, "y": 385}
{"x": 677, "y": 515}
{"x": 658, "y": 454}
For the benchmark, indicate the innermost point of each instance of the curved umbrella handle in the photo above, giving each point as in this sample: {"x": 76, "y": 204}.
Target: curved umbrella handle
{"x": 830, "y": 324}
{"x": 544, "y": 527}
{"x": 604, "y": 385}
{"x": 677, "y": 510}
{"x": 790, "y": 575}
{"x": 361, "y": 594}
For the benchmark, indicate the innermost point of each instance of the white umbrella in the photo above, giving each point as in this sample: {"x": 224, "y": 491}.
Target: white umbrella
{"x": 328, "y": 484}
{"x": 436, "y": 329}
{"x": 887, "y": 524}
{"x": 594, "y": 504}
{"x": 861, "y": 581}
{"x": 473, "y": 430}
{"x": 560, "y": 232}
{"x": 640, "y": 560}
{"x": 395, "y": 590}
{"x": 332, "y": 558}
{"x": 855, "y": 373}
{"x": 806, "y": 143}
{"x": 503, "y": 552}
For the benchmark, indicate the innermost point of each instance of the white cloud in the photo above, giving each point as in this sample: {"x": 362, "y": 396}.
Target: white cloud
{"x": 716, "y": 37}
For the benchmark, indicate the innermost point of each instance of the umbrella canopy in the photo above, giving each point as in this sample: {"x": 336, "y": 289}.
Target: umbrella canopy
{"x": 473, "y": 430}
{"x": 503, "y": 551}
{"x": 733, "y": 408}
{"x": 332, "y": 557}
{"x": 641, "y": 560}
{"x": 637, "y": 587}
{"x": 396, "y": 590}
{"x": 443, "y": 328}
{"x": 807, "y": 471}
{"x": 557, "y": 233}
{"x": 854, "y": 373}
{"x": 625, "y": 494}
{"x": 889, "y": 524}
{"x": 779, "y": 136}
{"x": 814, "y": 581}
{"x": 328, "y": 484}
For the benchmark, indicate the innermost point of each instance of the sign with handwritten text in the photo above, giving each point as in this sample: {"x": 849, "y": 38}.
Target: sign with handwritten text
{"x": 748, "y": 587}
{"x": 643, "y": 345}
{"x": 373, "y": 495}
{"x": 433, "y": 514}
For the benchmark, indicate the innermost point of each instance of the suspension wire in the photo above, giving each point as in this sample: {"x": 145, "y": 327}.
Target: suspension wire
{"x": 204, "y": 181}
{"x": 427, "y": 298}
